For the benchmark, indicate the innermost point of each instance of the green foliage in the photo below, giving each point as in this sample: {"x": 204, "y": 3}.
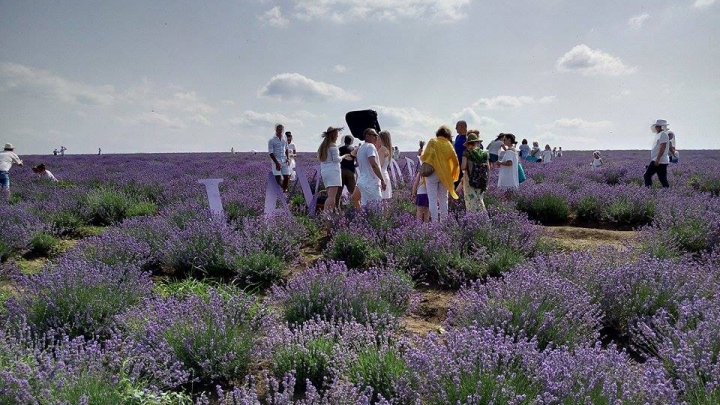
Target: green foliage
{"x": 486, "y": 387}
{"x": 236, "y": 211}
{"x": 106, "y": 206}
{"x": 502, "y": 259}
{"x": 626, "y": 212}
{"x": 311, "y": 362}
{"x": 355, "y": 251}
{"x": 65, "y": 222}
{"x": 43, "y": 244}
{"x": 379, "y": 369}
{"x": 548, "y": 209}
{"x": 690, "y": 234}
{"x": 259, "y": 268}
{"x": 193, "y": 287}
{"x": 589, "y": 208}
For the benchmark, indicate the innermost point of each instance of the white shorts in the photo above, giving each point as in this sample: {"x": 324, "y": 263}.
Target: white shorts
{"x": 284, "y": 169}
{"x": 331, "y": 176}
{"x": 369, "y": 193}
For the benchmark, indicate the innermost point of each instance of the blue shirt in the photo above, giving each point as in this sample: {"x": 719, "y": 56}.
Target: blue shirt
{"x": 460, "y": 146}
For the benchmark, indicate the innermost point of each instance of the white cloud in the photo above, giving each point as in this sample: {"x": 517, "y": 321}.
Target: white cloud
{"x": 153, "y": 118}
{"x": 591, "y": 62}
{"x": 340, "y": 68}
{"x": 200, "y": 119}
{"x": 296, "y": 87}
{"x": 402, "y": 117}
{"x": 703, "y": 3}
{"x": 577, "y": 123}
{"x": 274, "y": 18}
{"x": 476, "y": 121}
{"x": 251, "y": 118}
{"x": 341, "y": 11}
{"x": 41, "y": 83}
{"x": 228, "y": 102}
{"x": 507, "y": 102}
{"x": 637, "y": 21}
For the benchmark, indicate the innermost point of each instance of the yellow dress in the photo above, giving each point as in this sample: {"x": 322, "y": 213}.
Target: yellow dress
{"x": 440, "y": 154}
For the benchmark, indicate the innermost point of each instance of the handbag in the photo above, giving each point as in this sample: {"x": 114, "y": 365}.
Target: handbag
{"x": 426, "y": 169}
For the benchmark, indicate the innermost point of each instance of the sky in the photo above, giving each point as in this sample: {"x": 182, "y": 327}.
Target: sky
{"x": 190, "y": 76}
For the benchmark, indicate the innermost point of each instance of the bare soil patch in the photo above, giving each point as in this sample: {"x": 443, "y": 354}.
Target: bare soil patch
{"x": 570, "y": 238}
{"x": 429, "y": 314}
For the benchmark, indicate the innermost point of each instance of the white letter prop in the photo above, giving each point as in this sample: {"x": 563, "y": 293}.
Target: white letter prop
{"x": 310, "y": 198}
{"x": 411, "y": 168}
{"x": 213, "y": 193}
{"x": 272, "y": 194}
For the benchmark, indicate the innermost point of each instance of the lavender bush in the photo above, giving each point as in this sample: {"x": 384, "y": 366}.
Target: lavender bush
{"x": 78, "y": 297}
{"x": 213, "y": 337}
{"x": 529, "y": 303}
{"x": 17, "y": 227}
{"x": 331, "y": 291}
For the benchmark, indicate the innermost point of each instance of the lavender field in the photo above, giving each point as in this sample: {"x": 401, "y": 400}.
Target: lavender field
{"x": 119, "y": 286}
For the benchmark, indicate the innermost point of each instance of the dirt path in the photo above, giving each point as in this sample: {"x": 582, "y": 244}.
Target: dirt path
{"x": 570, "y": 238}
{"x": 430, "y": 312}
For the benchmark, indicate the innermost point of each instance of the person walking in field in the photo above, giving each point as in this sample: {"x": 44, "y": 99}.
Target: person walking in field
{"x": 658, "y": 155}
{"x": 385, "y": 152}
{"x": 370, "y": 181}
{"x": 8, "y": 158}
{"x": 508, "y": 178}
{"x": 459, "y": 144}
{"x": 329, "y": 156}
{"x": 597, "y": 161}
{"x": 547, "y": 154}
{"x": 292, "y": 154}
{"x": 494, "y": 147}
{"x": 277, "y": 148}
{"x": 440, "y": 155}
{"x": 475, "y": 167}
{"x": 347, "y": 166}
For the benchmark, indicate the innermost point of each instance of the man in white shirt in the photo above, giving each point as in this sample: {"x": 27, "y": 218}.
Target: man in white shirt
{"x": 658, "y": 155}
{"x": 277, "y": 148}
{"x": 370, "y": 182}
{"x": 7, "y": 159}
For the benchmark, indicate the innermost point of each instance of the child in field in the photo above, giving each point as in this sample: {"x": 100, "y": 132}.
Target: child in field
{"x": 547, "y": 154}
{"x": 43, "y": 173}
{"x": 597, "y": 160}
{"x": 420, "y": 198}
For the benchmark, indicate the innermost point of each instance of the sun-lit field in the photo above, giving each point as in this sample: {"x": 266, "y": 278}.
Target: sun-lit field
{"x": 117, "y": 285}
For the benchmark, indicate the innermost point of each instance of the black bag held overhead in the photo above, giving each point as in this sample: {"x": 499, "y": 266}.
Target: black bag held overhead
{"x": 359, "y": 121}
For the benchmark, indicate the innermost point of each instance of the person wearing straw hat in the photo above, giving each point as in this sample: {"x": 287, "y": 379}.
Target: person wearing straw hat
{"x": 475, "y": 167}
{"x": 597, "y": 160}
{"x": 658, "y": 155}
{"x": 7, "y": 159}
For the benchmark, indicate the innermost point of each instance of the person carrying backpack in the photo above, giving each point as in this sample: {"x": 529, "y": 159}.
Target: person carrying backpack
{"x": 476, "y": 172}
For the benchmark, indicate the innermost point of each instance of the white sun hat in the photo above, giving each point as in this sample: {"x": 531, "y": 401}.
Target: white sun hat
{"x": 659, "y": 123}
{"x": 9, "y": 146}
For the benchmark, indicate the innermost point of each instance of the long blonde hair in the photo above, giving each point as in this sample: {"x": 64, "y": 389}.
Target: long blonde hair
{"x": 328, "y": 140}
{"x": 386, "y": 140}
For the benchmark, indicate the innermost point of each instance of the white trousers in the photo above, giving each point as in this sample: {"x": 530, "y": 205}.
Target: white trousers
{"x": 437, "y": 195}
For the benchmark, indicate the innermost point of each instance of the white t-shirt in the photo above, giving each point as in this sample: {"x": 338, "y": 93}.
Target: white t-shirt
{"x": 278, "y": 146}
{"x": 508, "y": 176}
{"x": 365, "y": 173}
{"x": 596, "y": 162}
{"x": 547, "y": 156}
{"x": 7, "y": 159}
{"x": 47, "y": 175}
{"x": 660, "y": 138}
{"x": 494, "y": 147}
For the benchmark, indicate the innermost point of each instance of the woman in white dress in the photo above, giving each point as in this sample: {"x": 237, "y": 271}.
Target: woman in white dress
{"x": 597, "y": 161}
{"x": 329, "y": 156}
{"x": 508, "y": 176}
{"x": 385, "y": 160}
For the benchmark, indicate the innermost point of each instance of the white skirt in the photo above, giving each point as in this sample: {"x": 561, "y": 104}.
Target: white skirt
{"x": 331, "y": 176}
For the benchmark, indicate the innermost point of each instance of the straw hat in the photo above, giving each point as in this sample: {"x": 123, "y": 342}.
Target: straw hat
{"x": 659, "y": 123}
{"x": 9, "y": 146}
{"x": 472, "y": 138}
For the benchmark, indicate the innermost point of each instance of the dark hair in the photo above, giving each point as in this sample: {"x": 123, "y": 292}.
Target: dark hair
{"x": 348, "y": 139}
{"x": 444, "y": 132}
{"x": 524, "y": 142}
{"x": 511, "y": 136}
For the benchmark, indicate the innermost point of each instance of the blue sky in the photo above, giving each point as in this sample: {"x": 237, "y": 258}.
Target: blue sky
{"x": 173, "y": 76}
